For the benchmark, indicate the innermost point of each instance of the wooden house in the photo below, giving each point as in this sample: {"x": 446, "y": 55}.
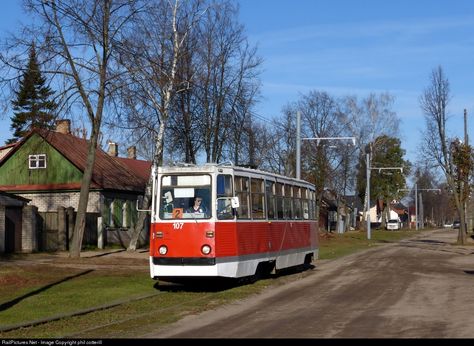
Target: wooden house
{"x": 46, "y": 167}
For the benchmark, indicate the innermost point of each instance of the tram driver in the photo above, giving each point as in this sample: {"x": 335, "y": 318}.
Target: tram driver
{"x": 198, "y": 207}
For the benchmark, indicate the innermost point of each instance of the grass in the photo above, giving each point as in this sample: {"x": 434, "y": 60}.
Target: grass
{"x": 34, "y": 292}
{"x": 334, "y": 245}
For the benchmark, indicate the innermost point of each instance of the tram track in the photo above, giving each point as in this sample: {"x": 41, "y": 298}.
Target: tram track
{"x": 103, "y": 330}
{"x": 13, "y": 327}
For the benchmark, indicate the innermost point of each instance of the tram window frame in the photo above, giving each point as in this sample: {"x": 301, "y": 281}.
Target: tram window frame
{"x": 242, "y": 191}
{"x": 257, "y": 198}
{"x": 270, "y": 199}
{"x": 224, "y": 193}
{"x": 305, "y": 203}
{"x": 279, "y": 193}
{"x": 297, "y": 202}
{"x": 184, "y": 183}
{"x": 288, "y": 202}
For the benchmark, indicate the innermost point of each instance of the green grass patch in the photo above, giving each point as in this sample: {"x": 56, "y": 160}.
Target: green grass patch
{"x": 334, "y": 245}
{"x": 60, "y": 292}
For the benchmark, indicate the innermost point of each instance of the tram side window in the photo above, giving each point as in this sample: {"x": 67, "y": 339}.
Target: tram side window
{"x": 242, "y": 192}
{"x": 312, "y": 205}
{"x": 288, "y": 205}
{"x": 269, "y": 185}
{"x": 224, "y": 195}
{"x": 297, "y": 202}
{"x": 279, "y": 200}
{"x": 257, "y": 198}
{"x": 224, "y": 185}
{"x": 305, "y": 203}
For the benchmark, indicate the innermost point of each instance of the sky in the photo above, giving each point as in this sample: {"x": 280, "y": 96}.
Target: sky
{"x": 347, "y": 47}
{"x": 362, "y": 47}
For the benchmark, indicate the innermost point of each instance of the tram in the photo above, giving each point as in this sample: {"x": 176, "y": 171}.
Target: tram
{"x": 246, "y": 220}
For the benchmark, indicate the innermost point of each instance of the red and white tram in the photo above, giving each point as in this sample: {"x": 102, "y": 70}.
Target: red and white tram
{"x": 248, "y": 219}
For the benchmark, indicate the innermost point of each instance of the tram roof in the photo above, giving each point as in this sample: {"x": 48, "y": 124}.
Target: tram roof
{"x": 220, "y": 167}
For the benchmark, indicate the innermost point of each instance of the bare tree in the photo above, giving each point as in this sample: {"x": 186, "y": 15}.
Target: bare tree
{"x": 78, "y": 40}
{"x": 152, "y": 61}
{"x": 437, "y": 148}
{"x": 371, "y": 120}
{"x": 227, "y": 79}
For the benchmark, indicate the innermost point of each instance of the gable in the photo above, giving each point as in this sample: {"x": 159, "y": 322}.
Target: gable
{"x": 15, "y": 170}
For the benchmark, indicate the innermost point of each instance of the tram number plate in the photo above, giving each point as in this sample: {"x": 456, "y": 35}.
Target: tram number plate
{"x": 178, "y": 225}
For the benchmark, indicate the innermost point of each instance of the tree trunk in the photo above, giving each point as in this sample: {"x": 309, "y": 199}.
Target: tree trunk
{"x": 79, "y": 227}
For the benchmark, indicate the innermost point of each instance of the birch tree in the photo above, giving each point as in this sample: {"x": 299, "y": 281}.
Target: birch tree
{"x": 151, "y": 60}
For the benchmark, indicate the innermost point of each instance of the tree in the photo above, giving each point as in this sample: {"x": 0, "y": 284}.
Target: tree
{"x": 151, "y": 59}
{"x": 439, "y": 150}
{"x": 222, "y": 71}
{"x": 80, "y": 40}
{"x": 369, "y": 120}
{"x": 33, "y": 107}
{"x": 182, "y": 88}
{"x": 384, "y": 184}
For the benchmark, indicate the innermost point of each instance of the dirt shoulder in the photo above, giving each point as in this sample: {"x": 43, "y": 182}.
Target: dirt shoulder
{"x": 98, "y": 259}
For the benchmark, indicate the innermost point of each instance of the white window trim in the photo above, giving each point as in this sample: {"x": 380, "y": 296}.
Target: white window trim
{"x": 36, "y": 159}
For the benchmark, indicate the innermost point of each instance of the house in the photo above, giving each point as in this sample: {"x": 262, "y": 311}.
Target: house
{"x": 397, "y": 211}
{"x": 46, "y": 167}
{"x": 5, "y": 149}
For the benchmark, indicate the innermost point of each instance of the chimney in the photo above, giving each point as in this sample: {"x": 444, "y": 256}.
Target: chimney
{"x": 63, "y": 126}
{"x": 132, "y": 152}
{"x": 113, "y": 149}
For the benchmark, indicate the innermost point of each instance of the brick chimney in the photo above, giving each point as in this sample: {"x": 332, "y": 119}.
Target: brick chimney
{"x": 132, "y": 152}
{"x": 63, "y": 126}
{"x": 113, "y": 149}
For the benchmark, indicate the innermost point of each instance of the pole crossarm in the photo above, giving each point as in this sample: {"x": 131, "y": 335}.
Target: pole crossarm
{"x": 318, "y": 139}
{"x": 387, "y": 168}
{"x": 439, "y": 190}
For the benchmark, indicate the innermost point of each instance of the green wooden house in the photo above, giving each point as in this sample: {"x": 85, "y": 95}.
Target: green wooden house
{"x": 46, "y": 167}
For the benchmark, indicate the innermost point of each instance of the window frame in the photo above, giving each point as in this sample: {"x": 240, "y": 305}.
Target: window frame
{"x": 36, "y": 159}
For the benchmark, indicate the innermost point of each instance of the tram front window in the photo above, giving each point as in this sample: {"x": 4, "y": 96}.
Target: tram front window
{"x": 185, "y": 197}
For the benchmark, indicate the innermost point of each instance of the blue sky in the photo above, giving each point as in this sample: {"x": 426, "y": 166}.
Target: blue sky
{"x": 359, "y": 47}
{"x": 351, "y": 47}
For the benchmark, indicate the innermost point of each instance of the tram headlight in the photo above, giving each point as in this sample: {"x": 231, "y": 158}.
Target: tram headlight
{"x": 163, "y": 250}
{"x": 206, "y": 249}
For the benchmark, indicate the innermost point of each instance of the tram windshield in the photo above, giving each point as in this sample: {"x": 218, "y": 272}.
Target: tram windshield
{"x": 185, "y": 197}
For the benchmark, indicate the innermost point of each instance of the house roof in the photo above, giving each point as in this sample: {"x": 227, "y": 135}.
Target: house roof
{"x": 111, "y": 173}
{"x": 10, "y": 200}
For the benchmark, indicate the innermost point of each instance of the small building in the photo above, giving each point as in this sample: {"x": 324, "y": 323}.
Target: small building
{"x": 17, "y": 224}
{"x": 46, "y": 167}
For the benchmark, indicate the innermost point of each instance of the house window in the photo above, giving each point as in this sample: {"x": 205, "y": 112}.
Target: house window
{"x": 37, "y": 161}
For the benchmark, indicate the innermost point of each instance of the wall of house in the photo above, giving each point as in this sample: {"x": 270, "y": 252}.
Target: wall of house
{"x": 51, "y": 201}
{"x": 2, "y": 228}
{"x": 16, "y": 171}
{"x": 29, "y": 237}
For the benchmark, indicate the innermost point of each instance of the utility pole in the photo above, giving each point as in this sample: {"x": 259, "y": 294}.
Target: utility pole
{"x": 466, "y": 141}
{"x": 422, "y": 215}
{"x": 298, "y": 145}
{"x": 416, "y": 207}
{"x": 368, "y": 191}
{"x": 421, "y": 201}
